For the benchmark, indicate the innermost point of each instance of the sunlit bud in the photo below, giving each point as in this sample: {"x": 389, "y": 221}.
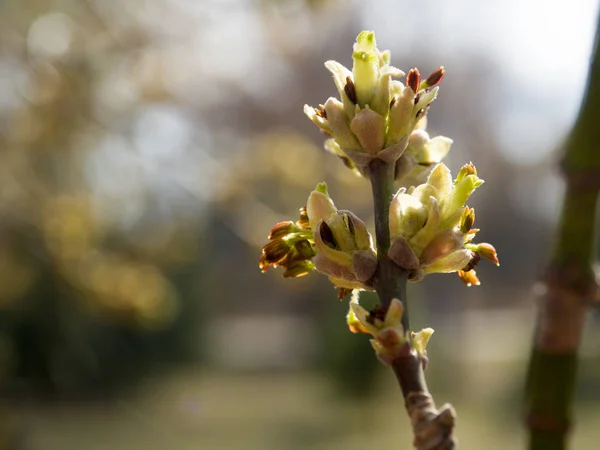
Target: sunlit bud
{"x": 467, "y": 220}
{"x": 441, "y": 179}
{"x": 361, "y": 316}
{"x": 298, "y": 269}
{"x": 381, "y": 99}
{"x": 428, "y": 150}
{"x": 275, "y": 250}
{"x": 319, "y": 206}
{"x": 390, "y": 339}
{"x": 434, "y": 79}
{"x": 470, "y": 235}
{"x": 393, "y": 316}
{"x": 282, "y": 229}
{"x": 343, "y": 82}
{"x": 423, "y": 237}
{"x": 413, "y": 80}
{"x": 402, "y": 254}
{"x": 358, "y": 229}
{"x": 318, "y": 118}
{"x": 303, "y": 222}
{"x": 452, "y": 262}
{"x": 401, "y": 116}
{"x": 340, "y": 127}
{"x": 421, "y": 339}
{"x": 461, "y": 192}
{"x": 423, "y": 100}
{"x": 469, "y": 278}
{"x": 369, "y": 128}
{"x": 465, "y": 171}
{"x": 337, "y": 225}
{"x": 384, "y": 58}
{"x": 337, "y": 265}
{"x": 442, "y": 245}
{"x": 407, "y": 215}
{"x": 304, "y": 249}
{"x": 366, "y": 67}
{"x": 487, "y": 251}
{"x": 352, "y": 320}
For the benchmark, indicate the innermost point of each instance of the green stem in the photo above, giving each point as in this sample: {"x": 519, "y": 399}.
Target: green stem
{"x": 390, "y": 280}
{"x": 571, "y": 286}
{"x": 382, "y": 183}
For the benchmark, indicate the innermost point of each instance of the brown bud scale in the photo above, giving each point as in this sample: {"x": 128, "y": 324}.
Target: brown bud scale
{"x": 436, "y": 77}
{"x": 350, "y": 90}
{"x": 413, "y": 80}
{"x": 327, "y": 235}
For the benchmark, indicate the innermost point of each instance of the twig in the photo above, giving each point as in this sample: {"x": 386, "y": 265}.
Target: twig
{"x": 432, "y": 428}
{"x": 570, "y": 283}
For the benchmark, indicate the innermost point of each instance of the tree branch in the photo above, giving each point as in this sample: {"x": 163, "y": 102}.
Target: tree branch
{"x": 570, "y": 282}
{"x": 432, "y": 428}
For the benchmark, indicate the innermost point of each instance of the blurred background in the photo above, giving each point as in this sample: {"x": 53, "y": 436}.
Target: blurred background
{"x": 148, "y": 146}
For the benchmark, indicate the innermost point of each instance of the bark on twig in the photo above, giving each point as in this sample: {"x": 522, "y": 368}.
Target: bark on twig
{"x": 432, "y": 428}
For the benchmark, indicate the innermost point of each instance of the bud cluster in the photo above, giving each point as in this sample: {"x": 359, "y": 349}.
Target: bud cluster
{"x": 335, "y": 243}
{"x": 390, "y": 340}
{"x": 375, "y": 114}
{"x": 378, "y": 117}
{"x": 432, "y": 230}
{"x": 290, "y": 246}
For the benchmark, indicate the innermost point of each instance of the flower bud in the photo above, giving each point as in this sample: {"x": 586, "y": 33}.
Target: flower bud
{"x": 341, "y": 75}
{"x": 413, "y": 80}
{"x": 427, "y": 150}
{"x": 467, "y": 220}
{"x": 469, "y": 278}
{"x": 435, "y": 78}
{"x": 431, "y": 229}
{"x": 369, "y": 128}
{"x": 381, "y": 99}
{"x": 318, "y": 119}
{"x": 343, "y": 246}
{"x": 366, "y": 67}
{"x": 375, "y": 114}
{"x": 401, "y": 117}
{"x": 486, "y": 251}
{"x": 452, "y": 262}
{"x": 402, "y": 254}
{"x": 281, "y": 229}
{"x": 319, "y": 206}
{"x": 340, "y": 127}
{"x": 442, "y": 245}
{"x": 421, "y": 339}
{"x": 466, "y": 170}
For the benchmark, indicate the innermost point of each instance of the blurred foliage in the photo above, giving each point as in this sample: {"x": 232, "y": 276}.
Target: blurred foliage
{"x": 85, "y": 302}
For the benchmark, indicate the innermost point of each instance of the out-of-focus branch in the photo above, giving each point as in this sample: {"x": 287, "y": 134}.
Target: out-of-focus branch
{"x": 432, "y": 428}
{"x": 570, "y": 282}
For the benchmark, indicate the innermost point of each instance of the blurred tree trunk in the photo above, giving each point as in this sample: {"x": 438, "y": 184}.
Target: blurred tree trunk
{"x": 570, "y": 281}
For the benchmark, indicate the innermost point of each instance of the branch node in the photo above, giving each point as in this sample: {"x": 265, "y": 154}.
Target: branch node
{"x": 432, "y": 428}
